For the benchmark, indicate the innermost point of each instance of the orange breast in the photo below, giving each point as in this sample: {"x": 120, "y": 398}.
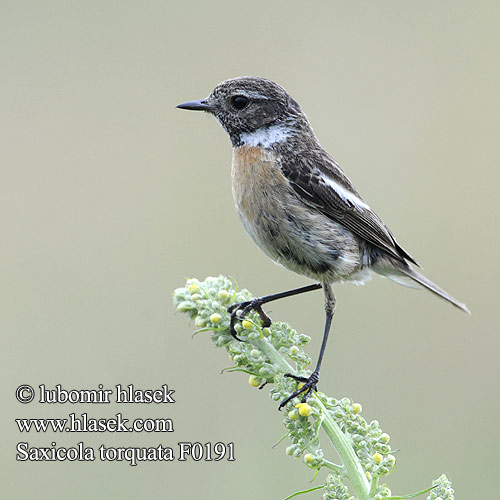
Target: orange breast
{"x": 257, "y": 180}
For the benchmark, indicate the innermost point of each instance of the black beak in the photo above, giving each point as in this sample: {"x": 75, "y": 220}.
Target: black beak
{"x": 201, "y": 105}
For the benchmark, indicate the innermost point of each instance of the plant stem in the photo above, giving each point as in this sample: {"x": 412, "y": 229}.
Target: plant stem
{"x": 353, "y": 468}
{"x": 339, "y": 469}
{"x": 355, "y": 472}
{"x": 273, "y": 354}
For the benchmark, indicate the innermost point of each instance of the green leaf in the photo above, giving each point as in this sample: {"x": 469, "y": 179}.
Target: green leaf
{"x": 297, "y": 493}
{"x": 411, "y": 495}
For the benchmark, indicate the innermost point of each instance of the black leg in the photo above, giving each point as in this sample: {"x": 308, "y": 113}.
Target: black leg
{"x": 257, "y": 303}
{"x": 311, "y": 382}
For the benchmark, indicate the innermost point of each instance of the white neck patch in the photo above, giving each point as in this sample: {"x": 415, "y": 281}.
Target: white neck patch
{"x": 265, "y": 136}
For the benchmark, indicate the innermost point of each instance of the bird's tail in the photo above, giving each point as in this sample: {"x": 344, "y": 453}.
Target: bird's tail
{"x": 422, "y": 280}
{"x": 406, "y": 272}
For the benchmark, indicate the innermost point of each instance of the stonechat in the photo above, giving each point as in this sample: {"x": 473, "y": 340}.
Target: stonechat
{"x": 297, "y": 204}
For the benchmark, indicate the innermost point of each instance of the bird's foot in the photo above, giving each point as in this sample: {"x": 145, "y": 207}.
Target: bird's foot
{"x": 243, "y": 308}
{"x": 310, "y": 384}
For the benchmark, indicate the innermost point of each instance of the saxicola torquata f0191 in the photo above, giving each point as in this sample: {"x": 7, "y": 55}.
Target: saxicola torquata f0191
{"x": 297, "y": 204}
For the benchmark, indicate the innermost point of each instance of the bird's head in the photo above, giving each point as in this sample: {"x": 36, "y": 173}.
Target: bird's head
{"x": 252, "y": 110}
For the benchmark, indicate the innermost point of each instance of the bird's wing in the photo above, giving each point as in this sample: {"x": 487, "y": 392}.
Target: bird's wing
{"x": 326, "y": 188}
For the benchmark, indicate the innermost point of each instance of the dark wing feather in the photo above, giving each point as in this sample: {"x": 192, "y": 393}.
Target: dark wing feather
{"x": 307, "y": 179}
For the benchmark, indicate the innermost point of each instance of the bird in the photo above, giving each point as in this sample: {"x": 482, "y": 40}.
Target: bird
{"x": 299, "y": 207}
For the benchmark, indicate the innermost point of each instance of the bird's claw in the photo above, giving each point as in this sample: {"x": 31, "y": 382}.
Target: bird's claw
{"x": 310, "y": 384}
{"x": 244, "y": 308}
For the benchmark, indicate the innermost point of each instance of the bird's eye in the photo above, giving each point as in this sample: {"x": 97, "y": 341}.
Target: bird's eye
{"x": 239, "y": 101}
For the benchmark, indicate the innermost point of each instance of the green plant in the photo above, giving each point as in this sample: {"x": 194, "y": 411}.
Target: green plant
{"x": 266, "y": 354}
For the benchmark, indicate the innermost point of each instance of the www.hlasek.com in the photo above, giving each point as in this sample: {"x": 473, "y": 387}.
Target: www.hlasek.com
{"x": 118, "y": 423}
{"x": 84, "y": 423}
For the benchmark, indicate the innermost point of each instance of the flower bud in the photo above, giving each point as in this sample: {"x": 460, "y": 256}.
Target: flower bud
{"x": 304, "y": 409}
{"x": 384, "y": 448}
{"x": 185, "y": 306}
{"x": 215, "y": 318}
{"x": 384, "y": 438}
{"x": 254, "y": 381}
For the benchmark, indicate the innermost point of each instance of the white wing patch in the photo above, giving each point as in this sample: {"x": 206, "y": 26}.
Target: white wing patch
{"x": 344, "y": 193}
{"x": 265, "y": 136}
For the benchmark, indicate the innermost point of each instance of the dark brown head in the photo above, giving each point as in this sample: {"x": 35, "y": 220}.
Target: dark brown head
{"x": 253, "y": 111}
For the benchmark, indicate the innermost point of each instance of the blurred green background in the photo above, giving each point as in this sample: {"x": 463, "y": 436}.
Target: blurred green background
{"x": 111, "y": 197}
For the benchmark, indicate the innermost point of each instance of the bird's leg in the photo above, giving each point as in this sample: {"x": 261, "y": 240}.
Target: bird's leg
{"x": 256, "y": 305}
{"x": 311, "y": 382}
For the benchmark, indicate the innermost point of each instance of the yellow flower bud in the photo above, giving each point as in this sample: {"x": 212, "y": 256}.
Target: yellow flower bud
{"x": 254, "y": 381}
{"x": 384, "y": 437}
{"x": 356, "y": 408}
{"x": 294, "y": 350}
{"x": 292, "y": 415}
{"x": 377, "y": 458}
{"x": 247, "y": 324}
{"x": 223, "y": 294}
{"x": 193, "y": 288}
{"x": 215, "y": 318}
{"x": 308, "y": 458}
{"x": 304, "y": 409}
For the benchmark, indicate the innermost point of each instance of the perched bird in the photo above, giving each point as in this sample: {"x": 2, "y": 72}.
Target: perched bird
{"x": 298, "y": 205}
